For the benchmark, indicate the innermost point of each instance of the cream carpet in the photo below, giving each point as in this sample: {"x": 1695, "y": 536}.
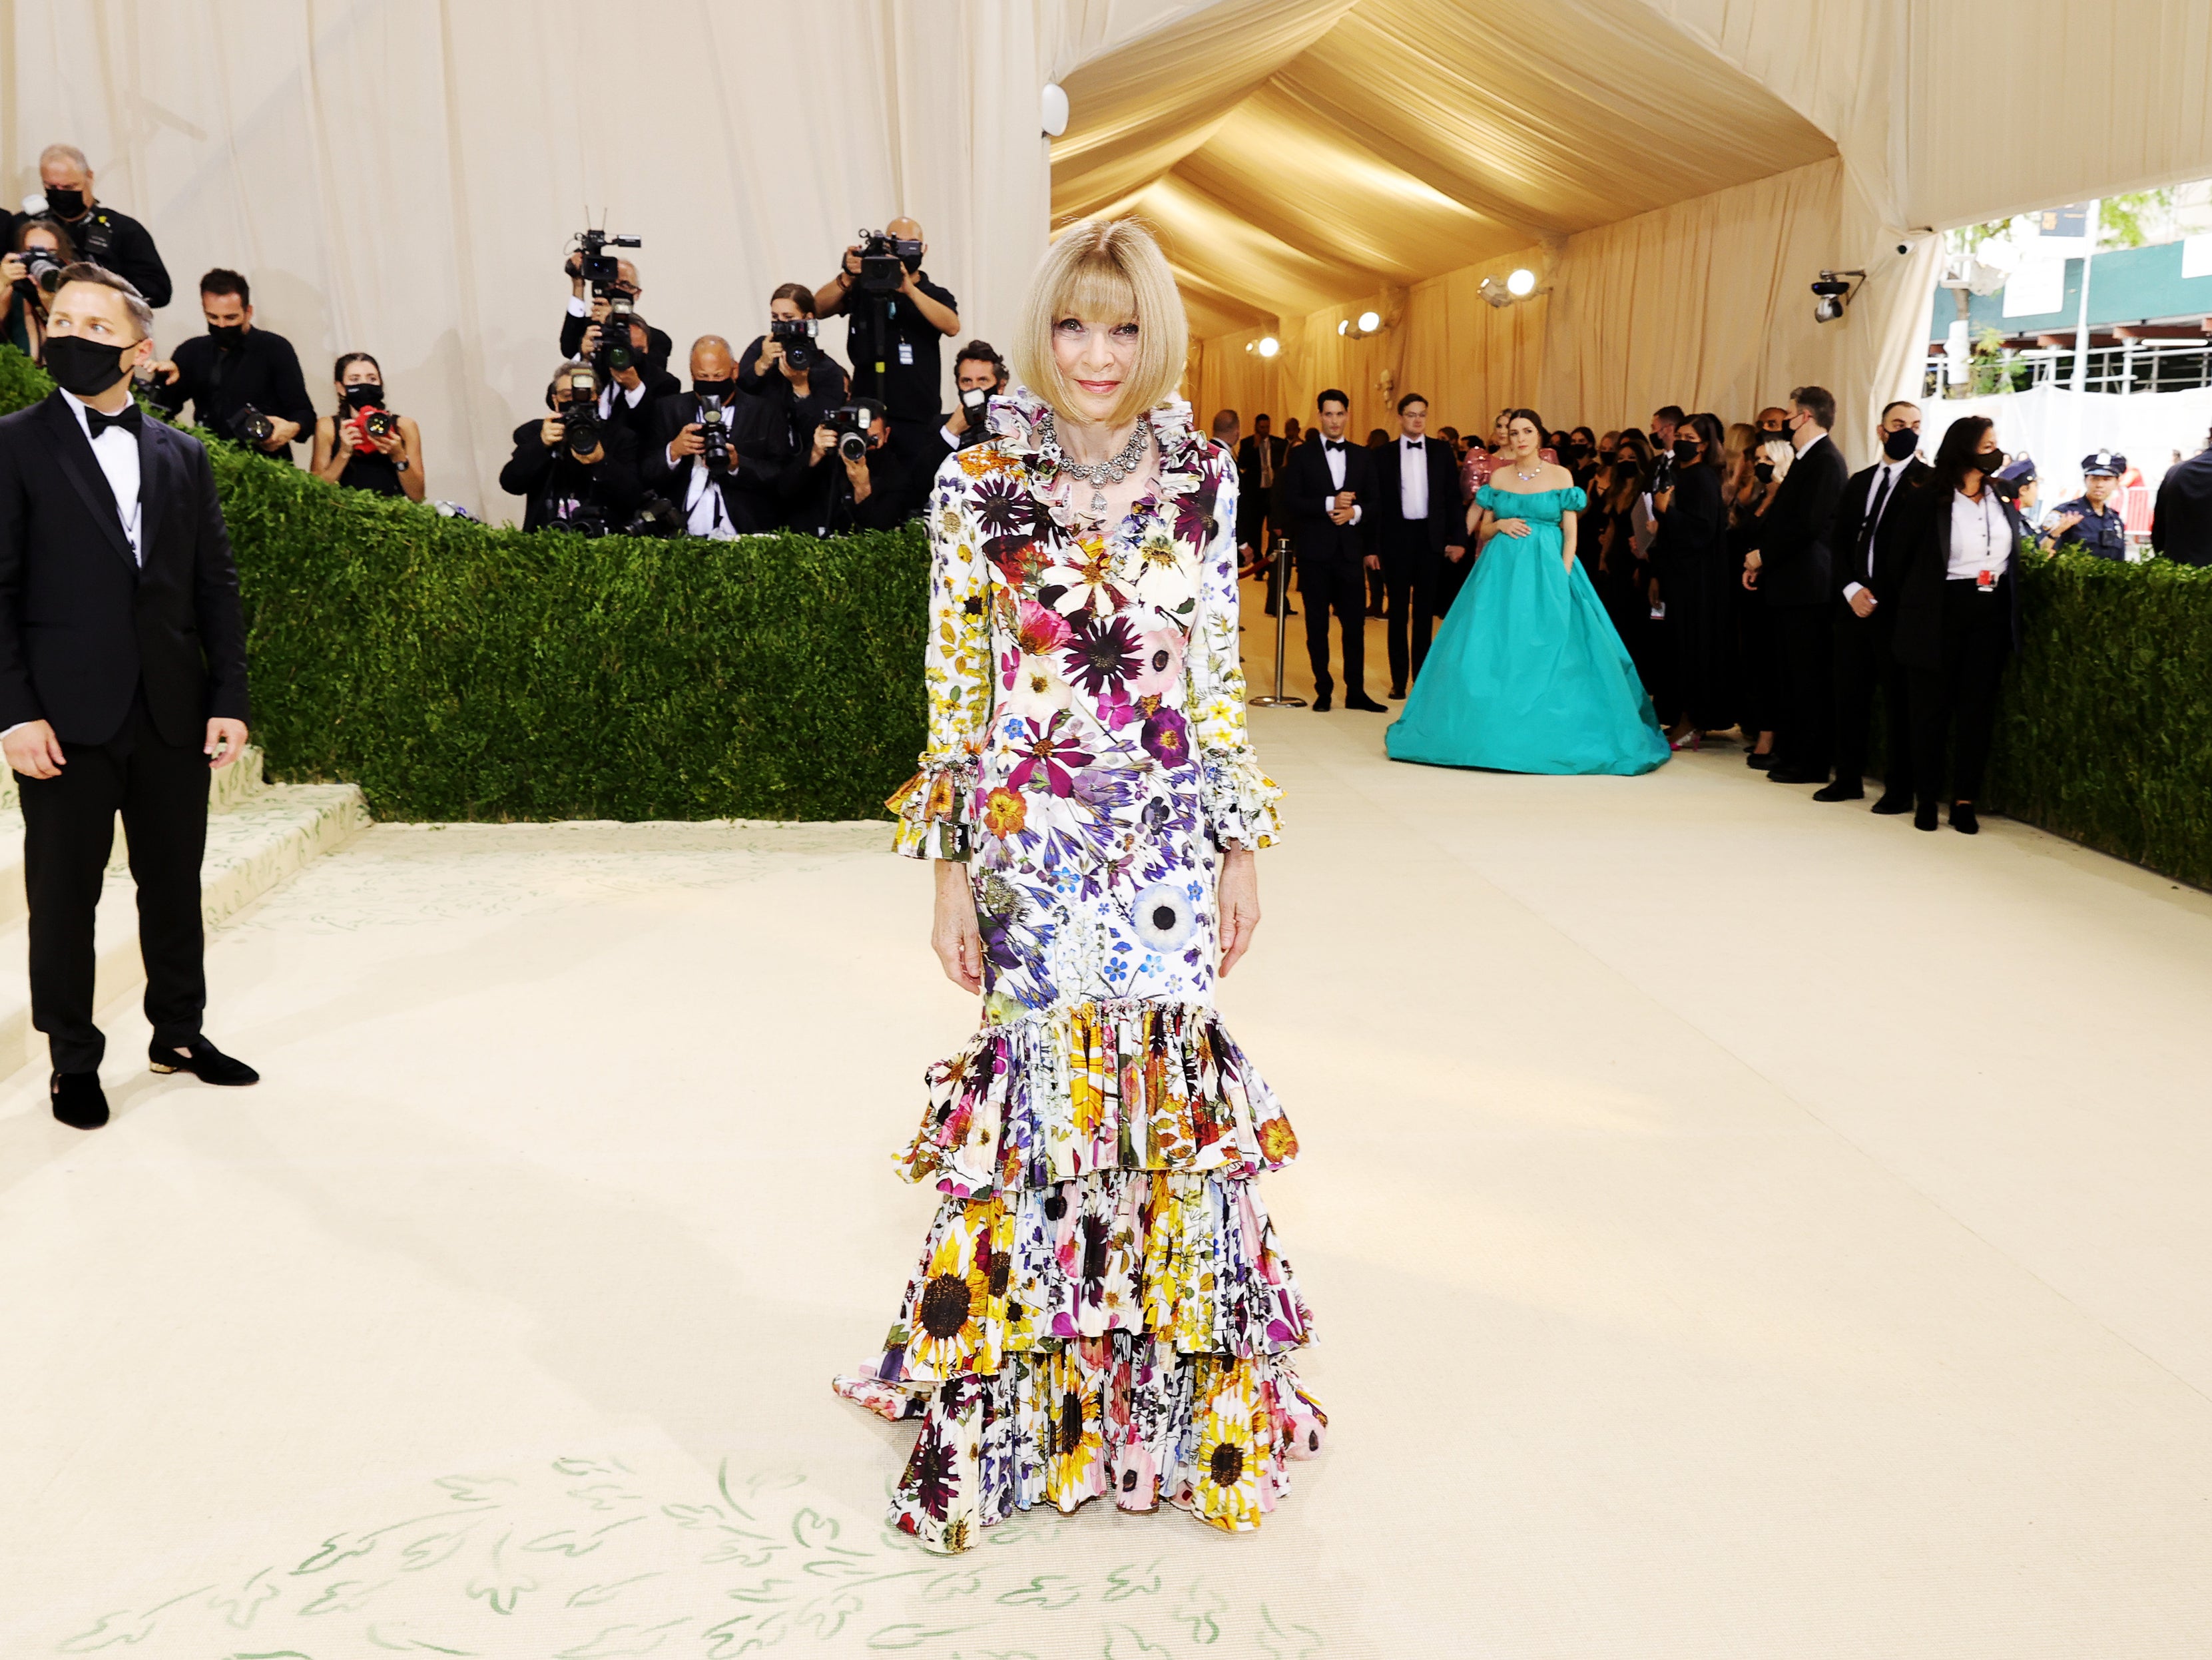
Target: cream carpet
{"x": 1737, "y": 1227}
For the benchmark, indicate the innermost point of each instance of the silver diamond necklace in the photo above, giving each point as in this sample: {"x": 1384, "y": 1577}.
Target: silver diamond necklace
{"x": 1098, "y": 474}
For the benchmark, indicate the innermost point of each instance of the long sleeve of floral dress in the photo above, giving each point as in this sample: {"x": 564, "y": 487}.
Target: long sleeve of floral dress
{"x": 936, "y": 806}
{"x": 1240, "y": 800}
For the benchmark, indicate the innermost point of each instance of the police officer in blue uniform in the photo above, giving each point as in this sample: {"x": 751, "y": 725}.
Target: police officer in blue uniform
{"x": 2089, "y": 523}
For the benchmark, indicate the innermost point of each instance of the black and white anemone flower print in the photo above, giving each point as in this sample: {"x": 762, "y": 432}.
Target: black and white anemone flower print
{"x": 1163, "y": 916}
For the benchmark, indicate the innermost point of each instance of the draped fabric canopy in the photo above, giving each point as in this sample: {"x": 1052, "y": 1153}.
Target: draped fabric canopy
{"x": 1677, "y": 173}
{"x": 401, "y": 176}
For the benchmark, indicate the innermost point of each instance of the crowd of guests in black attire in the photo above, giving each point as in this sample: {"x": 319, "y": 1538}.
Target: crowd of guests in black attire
{"x": 1764, "y": 589}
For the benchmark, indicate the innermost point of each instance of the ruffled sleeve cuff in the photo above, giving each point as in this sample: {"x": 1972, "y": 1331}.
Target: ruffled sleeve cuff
{"x": 934, "y": 809}
{"x": 1241, "y": 802}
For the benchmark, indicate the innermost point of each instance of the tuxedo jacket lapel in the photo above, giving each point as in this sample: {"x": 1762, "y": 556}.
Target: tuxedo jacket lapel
{"x": 153, "y": 487}
{"x": 73, "y": 451}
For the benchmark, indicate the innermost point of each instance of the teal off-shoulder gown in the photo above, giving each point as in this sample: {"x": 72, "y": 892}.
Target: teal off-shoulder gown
{"x": 1527, "y": 673}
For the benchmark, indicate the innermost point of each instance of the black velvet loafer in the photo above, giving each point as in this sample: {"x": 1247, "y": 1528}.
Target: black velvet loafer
{"x": 79, "y": 1102}
{"x": 1963, "y": 820}
{"x": 204, "y": 1061}
{"x": 1890, "y": 806}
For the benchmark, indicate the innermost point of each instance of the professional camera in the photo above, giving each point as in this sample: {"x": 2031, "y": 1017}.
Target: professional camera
{"x": 713, "y": 433}
{"x": 379, "y": 423}
{"x": 579, "y": 415}
{"x": 41, "y": 269}
{"x": 657, "y": 517}
{"x": 250, "y": 426}
{"x": 796, "y": 335}
{"x": 617, "y": 349}
{"x": 885, "y": 261}
{"x": 850, "y": 423}
{"x": 974, "y": 401}
{"x": 598, "y": 267}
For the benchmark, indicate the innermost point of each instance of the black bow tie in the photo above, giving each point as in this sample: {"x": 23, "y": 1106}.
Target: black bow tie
{"x": 132, "y": 420}
{"x": 1332, "y": 443}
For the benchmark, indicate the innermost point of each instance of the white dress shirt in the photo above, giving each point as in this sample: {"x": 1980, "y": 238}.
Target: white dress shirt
{"x": 1413, "y": 478}
{"x": 704, "y": 512}
{"x": 1880, "y": 494}
{"x": 630, "y": 395}
{"x": 116, "y": 452}
{"x": 1334, "y": 457}
{"x": 1981, "y": 537}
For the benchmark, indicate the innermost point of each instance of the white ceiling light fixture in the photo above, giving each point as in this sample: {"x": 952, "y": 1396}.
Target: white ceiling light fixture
{"x": 1055, "y": 109}
{"x": 1518, "y": 284}
{"x": 1267, "y": 345}
{"x": 1521, "y": 283}
{"x": 1367, "y": 322}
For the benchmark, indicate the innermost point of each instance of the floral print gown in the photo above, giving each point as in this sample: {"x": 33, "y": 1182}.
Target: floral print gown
{"x": 1101, "y": 1306}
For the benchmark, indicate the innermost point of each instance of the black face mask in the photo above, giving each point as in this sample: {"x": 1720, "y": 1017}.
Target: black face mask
{"x": 713, "y": 389}
{"x": 1900, "y": 443}
{"x": 364, "y": 395}
{"x": 226, "y": 335}
{"x": 64, "y": 204}
{"x": 87, "y": 367}
{"x": 1686, "y": 449}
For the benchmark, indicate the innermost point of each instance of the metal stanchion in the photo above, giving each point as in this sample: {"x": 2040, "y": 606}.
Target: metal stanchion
{"x": 1280, "y": 579}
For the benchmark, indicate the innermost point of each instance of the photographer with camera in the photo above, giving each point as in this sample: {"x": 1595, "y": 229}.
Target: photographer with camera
{"x": 897, "y": 318}
{"x": 100, "y": 234}
{"x": 854, "y": 478}
{"x": 631, "y": 388}
{"x": 40, "y": 251}
{"x": 979, "y": 374}
{"x": 365, "y": 446}
{"x": 573, "y": 470}
{"x": 785, "y": 374}
{"x": 242, "y": 382}
{"x": 599, "y": 284}
{"x": 712, "y": 456}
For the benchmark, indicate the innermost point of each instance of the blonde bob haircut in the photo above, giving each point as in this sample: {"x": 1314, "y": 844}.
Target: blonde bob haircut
{"x": 1109, "y": 271}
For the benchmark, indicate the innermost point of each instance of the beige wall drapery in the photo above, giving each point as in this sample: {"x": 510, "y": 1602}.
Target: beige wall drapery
{"x": 401, "y": 176}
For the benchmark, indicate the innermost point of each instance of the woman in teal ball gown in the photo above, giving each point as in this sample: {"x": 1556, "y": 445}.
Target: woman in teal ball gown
{"x": 1527, "y": 673}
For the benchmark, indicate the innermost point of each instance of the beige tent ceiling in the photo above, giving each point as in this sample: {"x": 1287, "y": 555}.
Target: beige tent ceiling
{"x": 1299, "y": 153}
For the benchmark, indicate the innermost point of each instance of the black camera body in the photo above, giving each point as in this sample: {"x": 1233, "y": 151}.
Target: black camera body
{"x": 850, "y": 423}
{"x": 581, "y": 429}
{"x": 885, "y": 260}
{"x": 714, "y": 432}
{"x": 597, "y": 266}
{"x": 250, "y": 426}
{"x": 657, "y": 516}
{"x": 796, "y": 335}
{"x": 41, "y": 269}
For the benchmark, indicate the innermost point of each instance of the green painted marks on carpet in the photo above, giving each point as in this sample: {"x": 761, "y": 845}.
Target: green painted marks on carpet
{"x": 582, "y": 1559}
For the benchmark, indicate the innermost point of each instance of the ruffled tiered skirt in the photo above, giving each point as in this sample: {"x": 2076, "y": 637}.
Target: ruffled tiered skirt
{"x": 1101, "y": 1309}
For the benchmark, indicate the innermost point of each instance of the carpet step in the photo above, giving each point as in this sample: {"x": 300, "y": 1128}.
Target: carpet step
{"x": 261, "y": 834}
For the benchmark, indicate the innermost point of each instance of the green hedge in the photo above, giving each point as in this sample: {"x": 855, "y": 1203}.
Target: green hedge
{"x": 457, "y": 671}
{"x": 2107, "y": 730}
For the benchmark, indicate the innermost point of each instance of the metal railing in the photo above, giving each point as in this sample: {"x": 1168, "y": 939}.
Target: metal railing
{"x": 2133, "y": 367}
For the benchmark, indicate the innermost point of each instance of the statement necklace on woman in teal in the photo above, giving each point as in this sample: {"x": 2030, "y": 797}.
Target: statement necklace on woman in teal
{"x": 1529, "y": 477}
{"x": 1112, "y": 470}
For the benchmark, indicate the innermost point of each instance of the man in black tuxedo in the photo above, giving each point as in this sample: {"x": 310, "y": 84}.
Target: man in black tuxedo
{"x": 593, "y": 487}
{"x": 1863, "y": 659}
{"x": 1260, "y": 462}
{"x": 584, "y": 312}
{"x": 1793, "y": 568}
{"x": 1418, "y": 527}
{"x": 1326, "y": 485}
{"x": 742, "y": 498}
{"x": 633, "y": 394}
{"x": 122, "y": 681}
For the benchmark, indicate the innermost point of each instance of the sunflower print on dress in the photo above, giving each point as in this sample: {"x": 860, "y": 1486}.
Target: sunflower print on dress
{"x": 1101, "y": 1308}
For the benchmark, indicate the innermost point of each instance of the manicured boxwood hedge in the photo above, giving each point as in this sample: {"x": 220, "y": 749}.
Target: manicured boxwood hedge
{"x": 457, "y": 671}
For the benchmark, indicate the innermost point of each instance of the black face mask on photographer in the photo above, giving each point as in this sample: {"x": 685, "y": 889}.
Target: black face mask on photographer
{"x": 87, "y": 367}
{"x": 64, "y": 202}
{"x": 721, "y": 389}
{"x": 364, "y": 395}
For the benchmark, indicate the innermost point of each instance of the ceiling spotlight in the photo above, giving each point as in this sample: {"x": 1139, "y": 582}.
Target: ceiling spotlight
{"x": 1521, "y": 283}
{"x": 1832, "y": 293}
{"x": 1344, "y": 326}
{"x": 1269, "y": 345}
{"x": 1368, "y": 322}
{"x": 1495, "y": 292}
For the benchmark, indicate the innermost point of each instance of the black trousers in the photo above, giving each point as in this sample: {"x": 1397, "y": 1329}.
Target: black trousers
{"x": 1337, "y": 584}
{"x": 1863, "y": 665}
{"x": 69, "y": 828}
{"x": 1958, "y": 701}
{"x": 1804, "y": 640}
{"x": 1410, "y": 576}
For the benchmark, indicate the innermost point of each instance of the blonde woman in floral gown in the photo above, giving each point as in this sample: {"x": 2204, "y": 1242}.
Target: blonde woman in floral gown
{"x": 1101, "y": 1308}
